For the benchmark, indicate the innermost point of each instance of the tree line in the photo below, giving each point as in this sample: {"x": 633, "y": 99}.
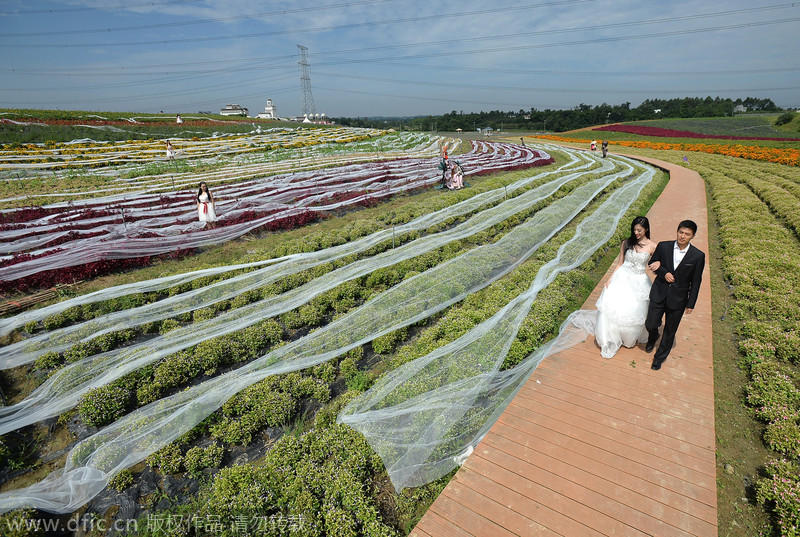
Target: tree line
{"x": 578, "y": 117}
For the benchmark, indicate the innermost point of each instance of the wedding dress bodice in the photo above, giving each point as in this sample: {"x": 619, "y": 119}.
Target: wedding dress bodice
{"x": 635, "y": 261}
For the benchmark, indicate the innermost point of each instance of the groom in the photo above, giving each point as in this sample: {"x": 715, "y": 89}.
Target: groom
{"x": 674, "y": 290}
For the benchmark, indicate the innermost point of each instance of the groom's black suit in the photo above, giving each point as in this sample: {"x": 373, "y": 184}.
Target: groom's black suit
{"x": 670, "y": 300}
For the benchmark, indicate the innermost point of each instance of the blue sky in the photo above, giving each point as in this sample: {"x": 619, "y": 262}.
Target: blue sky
{"x": 392, "y": 57}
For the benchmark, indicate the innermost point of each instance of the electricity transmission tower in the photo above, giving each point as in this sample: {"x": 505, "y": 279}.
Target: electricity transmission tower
{"x": 307, "y": 107}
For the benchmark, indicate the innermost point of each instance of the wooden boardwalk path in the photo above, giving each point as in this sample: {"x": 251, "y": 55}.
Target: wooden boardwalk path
{"x": 591, "y": 446}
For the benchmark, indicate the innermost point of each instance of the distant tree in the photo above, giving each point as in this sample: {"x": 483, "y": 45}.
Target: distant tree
{"x": 785, "y": 118}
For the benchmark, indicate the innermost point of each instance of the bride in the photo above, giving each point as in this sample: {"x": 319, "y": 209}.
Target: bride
{"x": 622, "y": 306}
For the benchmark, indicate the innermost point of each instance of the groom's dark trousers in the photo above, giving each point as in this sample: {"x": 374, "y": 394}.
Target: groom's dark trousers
{"x": 670, "y": 300}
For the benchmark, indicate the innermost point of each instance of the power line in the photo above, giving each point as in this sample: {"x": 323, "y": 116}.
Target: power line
{"x": 546, "y": 45}
{"x": 192, "y": 22}
{"x": 419, "y": 19}
{"x": 105, "y": 8}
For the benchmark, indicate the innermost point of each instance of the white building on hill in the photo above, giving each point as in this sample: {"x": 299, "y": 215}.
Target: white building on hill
{"x": 270, "y": 111}
{"x": 234, "y": 110}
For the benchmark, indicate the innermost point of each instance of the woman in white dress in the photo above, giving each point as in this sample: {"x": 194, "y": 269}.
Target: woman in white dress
{"x": 622, "y": 306}
{"x": 205, "y": 206}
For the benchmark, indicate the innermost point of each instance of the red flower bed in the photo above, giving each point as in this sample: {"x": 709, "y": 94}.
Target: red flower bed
{"x": 24, "y": 214}
{"x": 672, "y": 133}
{"x": 293, "y": 221}
{"x": 121, "y": 122}
{"x": 50, "y": 278}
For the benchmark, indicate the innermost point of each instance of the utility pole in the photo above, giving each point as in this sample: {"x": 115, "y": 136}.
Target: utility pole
{"x": 307, "y": 107}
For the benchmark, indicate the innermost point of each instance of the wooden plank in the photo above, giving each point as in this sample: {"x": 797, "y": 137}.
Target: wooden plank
{"x": 599, "y": 447}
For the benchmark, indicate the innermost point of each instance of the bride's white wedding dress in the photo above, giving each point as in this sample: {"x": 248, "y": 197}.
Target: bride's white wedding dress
{"x": 622, "y": 306}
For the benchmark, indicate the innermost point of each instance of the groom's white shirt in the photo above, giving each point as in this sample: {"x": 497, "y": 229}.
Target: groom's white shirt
{"x": 678, "y": 254}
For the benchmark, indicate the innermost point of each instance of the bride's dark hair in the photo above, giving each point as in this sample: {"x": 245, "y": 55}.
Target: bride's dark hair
{"x": 631, "y": 241}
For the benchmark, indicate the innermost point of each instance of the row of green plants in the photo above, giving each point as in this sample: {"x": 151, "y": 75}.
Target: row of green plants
{"x": 238, "y": 415}
{"x": 782, "y": 197}
{"x": 107, "y": 403}
{"x": 308, "y": 243}
{"x": 312, "y": 241}
{"x": 315, "y": 485}
{"x": 762, "y": 264}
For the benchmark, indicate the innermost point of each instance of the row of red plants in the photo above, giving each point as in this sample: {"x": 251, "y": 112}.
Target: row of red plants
{"x": 118, "y": 122}
{"x": 94, "y": 269}
{"x": 66, "y": 275}
{"x": 673, "y": 133}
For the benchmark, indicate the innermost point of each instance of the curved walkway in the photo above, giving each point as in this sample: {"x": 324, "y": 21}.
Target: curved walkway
{"x": 602, "y": 447}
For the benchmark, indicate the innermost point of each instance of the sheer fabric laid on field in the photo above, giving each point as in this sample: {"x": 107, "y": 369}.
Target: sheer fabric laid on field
{"x": 65, "y": 387}
{"x": 132, "y": 438}
{"x": 148, "y": 224}
{"x": 423, "y": 415}
{"x": 29, "y": 349}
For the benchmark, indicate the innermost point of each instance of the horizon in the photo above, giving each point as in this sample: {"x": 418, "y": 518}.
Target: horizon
{"x": 383, "y": 58}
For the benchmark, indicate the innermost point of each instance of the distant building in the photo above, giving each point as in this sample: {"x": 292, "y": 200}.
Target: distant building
{"x": 739, "y": 109}
{"x": 234, "y": 110}
{"x": 270, "y": 111}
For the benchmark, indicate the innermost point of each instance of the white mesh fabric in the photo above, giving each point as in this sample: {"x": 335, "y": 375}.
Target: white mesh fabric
{"x": 133, "y": 437}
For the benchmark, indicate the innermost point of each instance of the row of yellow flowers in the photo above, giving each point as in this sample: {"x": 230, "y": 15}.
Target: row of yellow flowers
{"x": 787, "y": 156}
{"x": 91, "y": 153}
{"x": 283, "y": 136}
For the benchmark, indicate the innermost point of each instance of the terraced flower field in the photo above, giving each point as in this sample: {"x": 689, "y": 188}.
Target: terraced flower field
{"x": 291, "y": 383}
{"x": 81, "y": 234}
{"x": 268, "y": 361}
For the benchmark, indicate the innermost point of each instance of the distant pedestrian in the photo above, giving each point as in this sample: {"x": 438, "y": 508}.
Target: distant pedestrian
{"x": 522, "y": 141}
{"x": 593, "y": 145}
{"x": 205, "y": 206}
{"x": 456, "y": 181}
{"x": 170, "y": 151}
{"x": 444, "y": 165}
{"x": 178, "y": 119}
{"x": 605, "y": 148}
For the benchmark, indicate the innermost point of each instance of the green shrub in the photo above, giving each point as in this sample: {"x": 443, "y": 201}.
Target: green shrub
{"x": 147, "y": 393}
{"x": 291, "y": 319}
{"x": 786, "y": 117}
{"x": 197, "y": 458}
{"x": 311, "y": 315}
{"x": 48, "y": 360}
{"x": 121, "y": 480}
{"x": 103, "y": 405}
{"x": 779, "y": 491}
{"x": 176, "y": 369}
{"x": 169, "y": 459}
{"x": 326, "y": 372}
{"x": 783, "y": 435}
{"x": 79, "y": 351}
{"x": 21, "y": 523}
{"x": 386, "y": 343}
{"x": 361, "y": 381}
{"x": 203, "y": 314}
{"x": 251, "y": 410}
{"x": 168, "y": 325}
{"x": 323, "y": 493}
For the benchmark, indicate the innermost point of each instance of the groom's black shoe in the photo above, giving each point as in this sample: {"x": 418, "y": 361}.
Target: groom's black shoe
{"x": 656, "y": 365}
{"x": 649, "y": 347}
